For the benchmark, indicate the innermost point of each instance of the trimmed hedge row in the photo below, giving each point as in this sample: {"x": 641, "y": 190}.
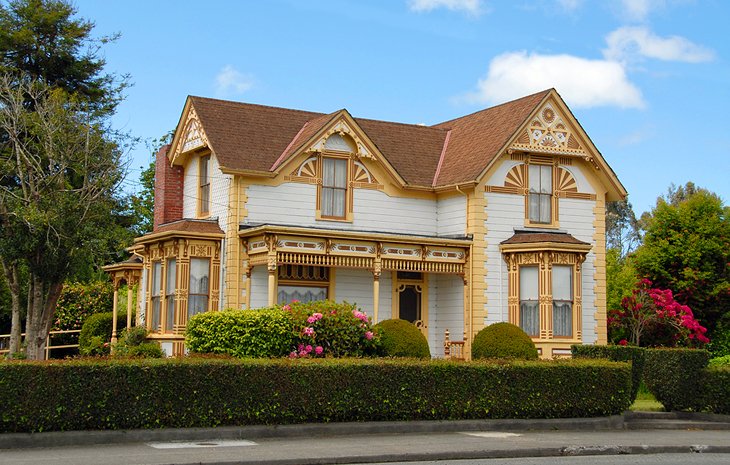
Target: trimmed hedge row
{"x": 676, "y": 377}
{"x": 635, "y": 355}
{"x": 123, "y": 394}
{"x": 717, "y": 385}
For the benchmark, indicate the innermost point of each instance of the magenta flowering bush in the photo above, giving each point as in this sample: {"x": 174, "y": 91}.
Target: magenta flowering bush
{"x": 651, "y": 317}
{"x": 326, "y": 328}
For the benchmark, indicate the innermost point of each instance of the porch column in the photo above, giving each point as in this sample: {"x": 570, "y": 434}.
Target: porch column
{"x": 271, "y": 266}
{"x": 114, "y": 311}
{"x": 129, "y": 305}
{"x": 376, "y": 295}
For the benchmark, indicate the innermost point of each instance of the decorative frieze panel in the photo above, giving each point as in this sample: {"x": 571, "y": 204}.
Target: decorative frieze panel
{"x": 548, "y": 133}
{"x": 193, "y": 137}
{"x": 401, "y": 251}
{"x": 298, "y": 243}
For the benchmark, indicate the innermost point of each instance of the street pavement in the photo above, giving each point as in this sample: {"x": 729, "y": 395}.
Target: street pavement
{"x": 469, "y": 446}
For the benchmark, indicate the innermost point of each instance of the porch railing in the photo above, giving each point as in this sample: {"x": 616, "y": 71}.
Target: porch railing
{"x": 5, "y": 342}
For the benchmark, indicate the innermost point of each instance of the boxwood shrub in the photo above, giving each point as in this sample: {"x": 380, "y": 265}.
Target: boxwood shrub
{"x": 96, "y": 333}
{"x": 503, "y": 340}
{"x": 401, "y": 338}
{"x": 242, "y": 333}
{"x": 616, "y": 353}
{"x": 189, "y": 392}
{"x": 676, "y": 377}
{"x": 717, "y": 389}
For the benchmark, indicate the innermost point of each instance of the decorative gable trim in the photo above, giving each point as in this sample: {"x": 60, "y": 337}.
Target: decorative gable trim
{"x": 548, "y": 132}
{"x": 342, "y": 128}
{"x": 191, "y": 138}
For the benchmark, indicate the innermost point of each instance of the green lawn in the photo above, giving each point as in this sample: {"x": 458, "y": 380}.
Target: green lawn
{"x": 645, "y": 402}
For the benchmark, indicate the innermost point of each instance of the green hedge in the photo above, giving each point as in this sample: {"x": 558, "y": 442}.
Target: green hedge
{"x": 717, "y": 389}
{"x": 124, "y": 394}
{"x": 242, "y": 333}
{"x": 676, "y": 377}
{"x": 635, "y": 355}
{"x": 97, "y": 331}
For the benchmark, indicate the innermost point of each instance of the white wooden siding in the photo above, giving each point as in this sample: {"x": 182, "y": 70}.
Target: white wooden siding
{"x": 190, "y": 189}
{"x": 451, "y": 216}
{"x": 355, "y": 287}
{"x": 576, "y": 217}
{"x": 505, "y": 212}
{"x": 385, "y": 309}
{"x": 446, "y": 311}
{"x": 295, "y": 204}
{"x": 259, "y": 287}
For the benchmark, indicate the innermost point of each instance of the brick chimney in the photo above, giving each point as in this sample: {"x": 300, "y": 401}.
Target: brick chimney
{"x": 168, "y": 190}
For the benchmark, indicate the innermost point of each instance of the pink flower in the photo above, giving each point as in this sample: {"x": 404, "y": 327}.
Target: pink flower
{"x": 623, "y": 342}
{"x": 308, "y": 349}
{"x": 286, "y": 308}
{"x": 309, "y": 331}
{"x": 293, "y": 354}
{"x": 318, "y": 350}
{"x": 368, "y": 335}
{"x": 311, "y": 319}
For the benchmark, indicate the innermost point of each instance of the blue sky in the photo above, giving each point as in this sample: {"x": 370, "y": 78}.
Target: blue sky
{"x": 649, "y": 80}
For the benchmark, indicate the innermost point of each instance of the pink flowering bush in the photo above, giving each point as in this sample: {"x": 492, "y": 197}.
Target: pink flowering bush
{"x": 78, "y": 301}
{"x": 326, "y": 328}
{"x": 651, "y": 317}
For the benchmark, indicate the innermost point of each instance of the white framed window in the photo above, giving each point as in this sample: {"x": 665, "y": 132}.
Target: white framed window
{"x": 529, "y": 300}
{"x": 562, "y": 301}
{"x": 204, "y": 186}
{"x": 540, "y": 196}
{"x": 333, "y": 193}
{"x": 199, "y": 287}
{"x": 170, "y": 283}
{"x": 156, "y": 295}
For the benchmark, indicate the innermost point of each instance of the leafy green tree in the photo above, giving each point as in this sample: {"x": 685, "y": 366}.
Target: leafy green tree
{"x": 61, "y": 166}
{"x": 620, "y": 278}
{"x": 686, "y": 249}
{"x": 44, "y": 40}
{"x": 622, "y": 228}
{"x": 142, "y": 203}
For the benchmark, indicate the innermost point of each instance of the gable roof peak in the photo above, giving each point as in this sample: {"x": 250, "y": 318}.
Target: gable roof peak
{"x": 542, "y": 94}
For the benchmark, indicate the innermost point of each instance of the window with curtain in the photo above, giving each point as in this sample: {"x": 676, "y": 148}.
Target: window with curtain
{"x": 562, "y": 301}
{"x": 541, "y": 194}
{"x": 303, "y": 283}
{"x": 156, "y": 293}
{"x": 334, "y": 187}
{"x": 529, "y": 302}
{"x": 170, "y": 295}
{"x": 199, "y": 286}
{"x": 204, "y": 190}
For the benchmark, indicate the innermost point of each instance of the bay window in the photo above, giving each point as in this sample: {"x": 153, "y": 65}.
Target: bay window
{"x": 529, "y": 300}
{"x": 303, "y": 283}
{"x": 170, "y": 295}
{"x": 198, "y": 290}
{"x": 156, "y": 293}
{"x": 562, "y": 301}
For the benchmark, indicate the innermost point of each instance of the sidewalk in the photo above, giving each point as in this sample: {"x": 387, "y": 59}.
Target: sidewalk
{"x": 365, "y": 442}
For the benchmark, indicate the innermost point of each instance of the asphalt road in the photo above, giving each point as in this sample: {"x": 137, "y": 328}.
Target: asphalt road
{"x": 375, "y": 448}
{"x": 654, "y": 459}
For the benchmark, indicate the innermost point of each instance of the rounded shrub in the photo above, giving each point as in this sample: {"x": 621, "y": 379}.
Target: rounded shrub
{"x": 96, "y": 333}
{"x": 503, "y": 340}
{"x": 400, "y": 338}
{"x": 133, "y": 344}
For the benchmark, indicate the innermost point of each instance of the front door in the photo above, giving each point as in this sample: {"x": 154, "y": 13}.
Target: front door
{"x": 411, "y": 299}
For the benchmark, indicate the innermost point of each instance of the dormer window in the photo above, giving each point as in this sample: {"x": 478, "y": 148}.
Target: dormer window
{"x": 204, "y": 186}
{"x": 540, "y": 196}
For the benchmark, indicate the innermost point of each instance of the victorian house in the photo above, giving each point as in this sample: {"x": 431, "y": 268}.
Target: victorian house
{"x": 494, "y": 216}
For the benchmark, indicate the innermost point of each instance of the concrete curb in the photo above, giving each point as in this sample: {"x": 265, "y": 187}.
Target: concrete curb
{"x": 87, "y": 438}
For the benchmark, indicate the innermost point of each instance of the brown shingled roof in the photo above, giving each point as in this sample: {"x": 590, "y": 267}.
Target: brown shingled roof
{"x": 260, "y": 138}
{"x": 193, "y": 226}
{"x": 477, "y": 138}
{"x": 527, "y": 237}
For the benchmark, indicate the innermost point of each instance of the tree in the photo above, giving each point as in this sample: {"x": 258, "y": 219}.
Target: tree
{"x": 60, "y": 167}
{"x": 43, "y": 40}
{"x": 687, "y": 249}
{"x": 142, "y": 203}
{"x": 622, "y": 228}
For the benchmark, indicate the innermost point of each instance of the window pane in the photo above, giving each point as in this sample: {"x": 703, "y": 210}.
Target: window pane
{"x": 197, "y": 304}
{"x": 199, "y": 269}
{"x": 338, "y": 203}
{"x": 530, "y": 317}
{"x": 562, "y": 318}
{"x": 326, "y": 203}
{"x": 528, "y": 283}
{"x": 534, "y": 175}
{"x": 546, "y": 179}
{"x": 170, "y": 277}
{"x": 534, "y": 202}
{"x": 204, "y": 170}
{"x": 328, "y": 172}
{"x": 288, "y": 294}
{"x": 156, "y": 278}
{"x": 562, "y": 282}
{"x": 170, "y": 295}
{"x": 205, "y": 198}
{"x": 340, "y": 173}
{"x": 545, "y": 208}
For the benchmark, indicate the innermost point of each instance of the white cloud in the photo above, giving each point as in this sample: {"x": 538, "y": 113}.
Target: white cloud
{"x": 627, "y": 42}
{"x": 472, "y": 7}
{"x": 570, "y": 5}
{"x": 230, "y": 81}
{"x": 638, "y": 10}
{"x": 581, "y": 82}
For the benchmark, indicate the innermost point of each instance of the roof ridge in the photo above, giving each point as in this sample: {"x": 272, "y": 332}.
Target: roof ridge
{"x": 396, "y": 123}
{"x": 491, "y": 108}
{"x": 247, "y": 104}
